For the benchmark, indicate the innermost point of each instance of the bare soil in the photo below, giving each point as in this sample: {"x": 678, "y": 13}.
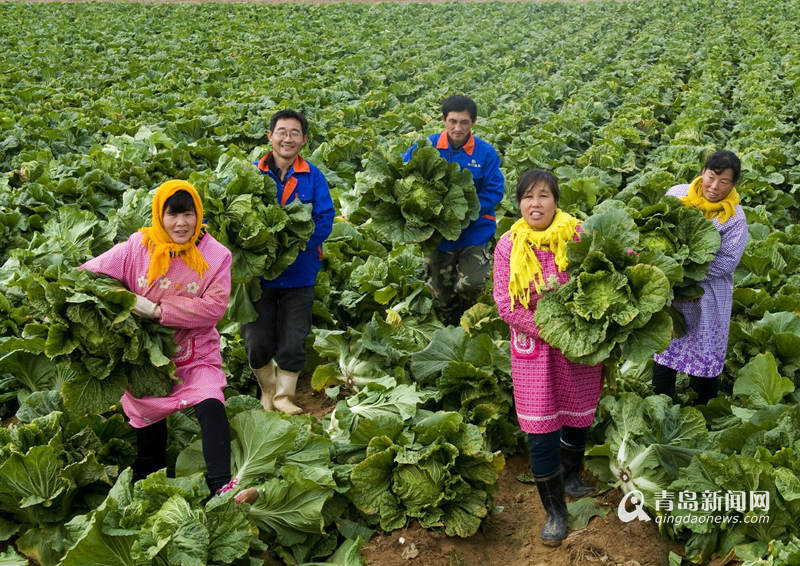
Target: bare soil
{"x": 11, "y": 421}
{"x": 511, "y": 537}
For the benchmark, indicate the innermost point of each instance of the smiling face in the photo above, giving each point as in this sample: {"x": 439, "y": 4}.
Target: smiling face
{"x": 180, "y": 226}
{"x": 538, "y": 206}
{"x": 287, "y": 138}
{"x": 716, "y": 186}
{"x": 458, "y": 126}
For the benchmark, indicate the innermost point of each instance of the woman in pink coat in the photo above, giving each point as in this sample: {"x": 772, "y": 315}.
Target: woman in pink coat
{"x": 181, "y": 277}
{"x": 555, "y": 399}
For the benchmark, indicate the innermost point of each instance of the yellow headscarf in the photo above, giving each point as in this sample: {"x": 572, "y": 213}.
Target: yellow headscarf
{"x": 723, "y": 209}
{"x": 525, "y": 266}
{"x": 160, "y": 246}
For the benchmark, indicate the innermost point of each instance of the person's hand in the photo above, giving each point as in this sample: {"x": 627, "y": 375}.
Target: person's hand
{"x": 249, "y": 495}
{"x": 146, "y": 308}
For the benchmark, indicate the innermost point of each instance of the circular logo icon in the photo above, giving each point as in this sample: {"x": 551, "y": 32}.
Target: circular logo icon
{"x": 636, "y": 498}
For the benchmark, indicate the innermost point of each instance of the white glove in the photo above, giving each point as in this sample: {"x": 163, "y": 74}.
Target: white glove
{"x": 144, "y": 307}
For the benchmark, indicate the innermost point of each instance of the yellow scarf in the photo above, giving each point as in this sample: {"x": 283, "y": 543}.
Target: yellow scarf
{"x": 525, "y": 266}
{"x": 160, "y": 246}
{"x": 723, "y": 209}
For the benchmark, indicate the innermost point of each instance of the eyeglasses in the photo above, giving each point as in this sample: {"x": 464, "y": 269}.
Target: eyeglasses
{"x": 282, "y": 133}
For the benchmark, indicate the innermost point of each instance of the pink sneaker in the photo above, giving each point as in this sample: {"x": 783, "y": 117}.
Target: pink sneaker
{"x": 227, "y": 487}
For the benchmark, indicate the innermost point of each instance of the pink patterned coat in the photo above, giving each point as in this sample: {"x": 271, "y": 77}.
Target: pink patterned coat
{"x": 549, "y": 390}
{"x": 189, "y": 303}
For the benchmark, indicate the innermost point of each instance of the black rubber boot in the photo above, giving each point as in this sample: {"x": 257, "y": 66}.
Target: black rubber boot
{"x": 664, "y": 380}
{"x": 706, "y": 387}
{"x": 572, "y": 462}
{"x": 551, "y": 490}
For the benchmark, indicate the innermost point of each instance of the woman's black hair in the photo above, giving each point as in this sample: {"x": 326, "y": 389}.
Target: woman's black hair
{"x": 533, "y": 177}
{"x": 723, "y": 159}
{"x": 180, "y": 202}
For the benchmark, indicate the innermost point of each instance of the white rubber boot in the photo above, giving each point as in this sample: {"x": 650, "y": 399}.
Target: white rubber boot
{"x": 267, "y": 382}
{"x": 284, "y": 392}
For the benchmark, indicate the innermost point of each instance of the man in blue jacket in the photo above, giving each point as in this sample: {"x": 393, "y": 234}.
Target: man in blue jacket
{"x": 458, "y": 269}
{"x": 284, "y": 310}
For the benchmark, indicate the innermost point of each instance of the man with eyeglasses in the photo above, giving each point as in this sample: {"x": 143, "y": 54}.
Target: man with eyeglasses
{"x": 458, "y": 269}
{"x": 275, "y": 342}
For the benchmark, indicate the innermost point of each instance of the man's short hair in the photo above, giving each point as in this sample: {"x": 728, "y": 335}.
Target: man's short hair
{"x": 459, "y": 103}
{"x": 289, "y": 113}
{"x": 723, "y": 159}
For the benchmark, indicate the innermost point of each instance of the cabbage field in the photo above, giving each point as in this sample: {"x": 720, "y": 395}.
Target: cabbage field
{"x": 101, "y": 102}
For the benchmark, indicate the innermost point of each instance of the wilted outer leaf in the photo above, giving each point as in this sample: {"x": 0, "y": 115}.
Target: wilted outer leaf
{"x": 582, "y": 511}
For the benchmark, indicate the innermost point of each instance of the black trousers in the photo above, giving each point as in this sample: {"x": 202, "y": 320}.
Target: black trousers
{"x": 151, "y": 444}
{"x": 664, "y": 383}
{"x": 279, "y": 333}
{"x": 545, "y": 448}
